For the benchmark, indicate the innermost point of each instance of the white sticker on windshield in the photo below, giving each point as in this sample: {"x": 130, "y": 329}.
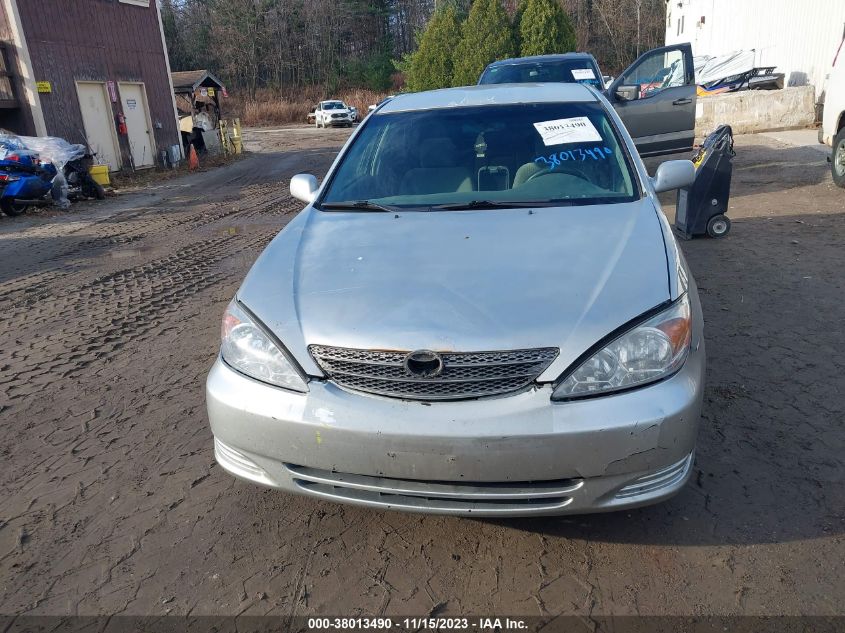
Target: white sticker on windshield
{"x": 579, "y": 74}
{"x": 578, "y": 129}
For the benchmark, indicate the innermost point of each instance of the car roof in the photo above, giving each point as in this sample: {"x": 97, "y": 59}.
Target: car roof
{"x": 491, "y": 94}
{"x": 541, "y": 58}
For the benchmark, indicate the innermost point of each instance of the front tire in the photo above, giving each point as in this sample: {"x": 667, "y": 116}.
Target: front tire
{"x": 837, "y": 161}
{"x": 11, "y": 209}
{"x": 718, "y": 226}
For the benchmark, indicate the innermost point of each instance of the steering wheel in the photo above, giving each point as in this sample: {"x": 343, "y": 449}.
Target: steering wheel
{"x": 559, "y": 169}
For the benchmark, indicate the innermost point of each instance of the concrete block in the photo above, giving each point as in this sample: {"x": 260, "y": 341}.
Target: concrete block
{"x": 757, "y": 110}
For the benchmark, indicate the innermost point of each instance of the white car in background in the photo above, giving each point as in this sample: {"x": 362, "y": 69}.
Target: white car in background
{"x": 333, "y": 114}
{"x": 833, "y": 121}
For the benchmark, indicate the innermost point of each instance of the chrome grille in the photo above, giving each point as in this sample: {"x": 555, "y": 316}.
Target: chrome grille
{"x": 464, "y": 374}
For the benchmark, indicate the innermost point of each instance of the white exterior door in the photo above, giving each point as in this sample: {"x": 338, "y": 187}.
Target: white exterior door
{"x": 99, "y": 122}
{"x": 133, "y": 98}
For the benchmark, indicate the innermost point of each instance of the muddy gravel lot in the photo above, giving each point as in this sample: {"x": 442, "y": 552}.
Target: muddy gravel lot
{"x": 112, "y": 502}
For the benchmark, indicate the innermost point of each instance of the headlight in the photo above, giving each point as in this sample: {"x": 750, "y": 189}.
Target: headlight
{"x": 650, "y": 351}
{"x": 247, "y": 347}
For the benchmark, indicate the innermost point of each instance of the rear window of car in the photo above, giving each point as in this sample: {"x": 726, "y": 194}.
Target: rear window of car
{"x": 544, "y": 154}
{"x": 581, "y": 71}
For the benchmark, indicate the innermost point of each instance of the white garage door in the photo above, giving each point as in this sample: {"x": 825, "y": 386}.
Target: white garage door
{"x": 134, "y": 101}
{"x": 99, "y": 122}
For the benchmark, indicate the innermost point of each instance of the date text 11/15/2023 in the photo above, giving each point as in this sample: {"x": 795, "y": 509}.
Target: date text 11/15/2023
{"x": 416, "y": 624}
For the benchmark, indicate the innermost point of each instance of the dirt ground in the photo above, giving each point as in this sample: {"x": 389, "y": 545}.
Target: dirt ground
{"x": 112, "y": 502}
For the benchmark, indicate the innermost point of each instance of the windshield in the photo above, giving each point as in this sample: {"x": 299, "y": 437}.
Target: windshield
{"x": 333, "y": 105}
{"x": 550, "y": 154}
{"x": 562, "y": 71}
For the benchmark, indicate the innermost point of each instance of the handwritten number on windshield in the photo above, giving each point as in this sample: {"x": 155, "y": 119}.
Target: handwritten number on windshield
{"x": 578, "y": 155}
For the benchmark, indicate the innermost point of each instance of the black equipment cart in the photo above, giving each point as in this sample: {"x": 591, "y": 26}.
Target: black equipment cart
{"x": 702, "y": 207}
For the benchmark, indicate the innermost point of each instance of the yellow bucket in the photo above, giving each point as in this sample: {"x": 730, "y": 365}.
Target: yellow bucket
{"x": 100, "y": 174}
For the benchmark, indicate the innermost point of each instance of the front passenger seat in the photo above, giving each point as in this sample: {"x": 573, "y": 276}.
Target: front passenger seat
{"x": 438, "y": 172}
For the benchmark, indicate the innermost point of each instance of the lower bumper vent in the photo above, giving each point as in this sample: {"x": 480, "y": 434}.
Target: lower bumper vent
{"x": 436, "y": 496}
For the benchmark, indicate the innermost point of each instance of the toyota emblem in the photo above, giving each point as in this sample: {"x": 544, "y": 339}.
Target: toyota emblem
{"x": 424, "y": 364}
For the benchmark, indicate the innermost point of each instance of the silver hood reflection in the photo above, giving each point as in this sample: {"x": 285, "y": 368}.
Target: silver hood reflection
{"x": 460, "y": 280}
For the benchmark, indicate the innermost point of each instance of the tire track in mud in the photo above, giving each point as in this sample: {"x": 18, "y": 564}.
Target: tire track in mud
{"x": 114, "y": 311}
{"x": 257, "y": 201}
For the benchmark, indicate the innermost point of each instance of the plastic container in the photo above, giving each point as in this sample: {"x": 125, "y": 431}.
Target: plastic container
{"x": 100, "y": 174}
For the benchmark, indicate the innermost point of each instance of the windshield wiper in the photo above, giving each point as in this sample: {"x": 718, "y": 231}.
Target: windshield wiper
{"x": 356, "y": 205}
{"x": 487, "y": 204}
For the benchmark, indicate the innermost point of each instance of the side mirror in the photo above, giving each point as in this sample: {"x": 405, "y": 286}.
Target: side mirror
{"x": 627, "y": 93}
{"x": 304, "y": 187}
{"x": 673, "y": 174}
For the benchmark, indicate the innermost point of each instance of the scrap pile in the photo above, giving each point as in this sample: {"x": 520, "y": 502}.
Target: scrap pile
{"x": 734, "y": 72}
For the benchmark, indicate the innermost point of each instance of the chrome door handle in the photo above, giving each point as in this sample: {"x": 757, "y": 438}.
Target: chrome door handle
{"x": 681, "y": 101}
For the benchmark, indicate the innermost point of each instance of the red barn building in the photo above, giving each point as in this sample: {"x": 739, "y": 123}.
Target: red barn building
{"x": 89, "y": 71}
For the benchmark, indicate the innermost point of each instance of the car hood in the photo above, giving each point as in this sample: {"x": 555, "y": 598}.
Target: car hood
{"x": 460, "y": 280}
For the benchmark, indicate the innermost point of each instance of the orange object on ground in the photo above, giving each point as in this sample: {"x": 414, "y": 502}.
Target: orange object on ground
{"x": 193, "y": 159}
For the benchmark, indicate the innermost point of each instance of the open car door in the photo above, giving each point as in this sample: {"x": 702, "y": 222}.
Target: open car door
{"x": 655, "y": 97}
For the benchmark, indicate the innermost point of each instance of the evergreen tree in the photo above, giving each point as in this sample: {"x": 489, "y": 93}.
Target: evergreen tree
{"x": 431, "y": 66}
{"x": 544, "y": 27}
{"x": 487, "y": 35}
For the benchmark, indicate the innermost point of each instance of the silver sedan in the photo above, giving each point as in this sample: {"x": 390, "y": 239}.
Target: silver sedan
{"x": 481, "y": 311}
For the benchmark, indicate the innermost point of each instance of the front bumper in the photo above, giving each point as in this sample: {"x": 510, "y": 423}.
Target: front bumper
{"x": 511, "y": 456}
{"x": 339, "y": 122}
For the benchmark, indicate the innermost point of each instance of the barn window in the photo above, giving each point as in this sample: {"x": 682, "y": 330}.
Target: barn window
{"x": 7, "y": 93}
